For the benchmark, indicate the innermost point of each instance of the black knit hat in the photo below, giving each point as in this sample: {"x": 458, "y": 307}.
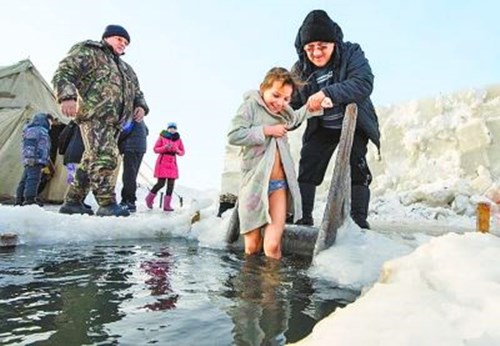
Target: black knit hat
{"x": 317, "y": 26}
{"x": 116, "y": 30}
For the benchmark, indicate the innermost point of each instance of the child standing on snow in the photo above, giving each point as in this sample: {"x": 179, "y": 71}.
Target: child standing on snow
{"x": 35, "y": 156}
{"x": 268, "y": 176}
{"x": 168, "y": 146}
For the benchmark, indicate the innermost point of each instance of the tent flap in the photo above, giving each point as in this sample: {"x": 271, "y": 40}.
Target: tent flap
{"x": 24, "y": 92}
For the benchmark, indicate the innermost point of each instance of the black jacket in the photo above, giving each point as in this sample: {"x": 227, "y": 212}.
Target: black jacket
{"x": 353, "y": 82}
{"x": 135, "y": 140}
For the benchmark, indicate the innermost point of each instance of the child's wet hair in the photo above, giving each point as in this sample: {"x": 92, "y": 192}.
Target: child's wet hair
{"x": 279, "y": 74}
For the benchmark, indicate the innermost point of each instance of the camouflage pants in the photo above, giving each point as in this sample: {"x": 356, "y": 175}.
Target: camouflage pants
{"x": 98, "y": 164}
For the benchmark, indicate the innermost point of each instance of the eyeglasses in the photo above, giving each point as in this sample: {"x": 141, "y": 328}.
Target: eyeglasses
{"x": 322, "y": 46}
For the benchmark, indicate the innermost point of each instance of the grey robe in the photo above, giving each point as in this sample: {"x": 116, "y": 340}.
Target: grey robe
{"x": 258, "y": 153}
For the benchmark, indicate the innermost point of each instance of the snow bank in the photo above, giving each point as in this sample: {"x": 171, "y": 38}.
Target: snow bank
{"x": 441, "y": 152}
{"x": 447, "y": 292}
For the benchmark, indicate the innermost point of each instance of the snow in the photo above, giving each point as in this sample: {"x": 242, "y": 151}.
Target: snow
{"x": 446, "y": 292}
{"x": 426, "y": 276}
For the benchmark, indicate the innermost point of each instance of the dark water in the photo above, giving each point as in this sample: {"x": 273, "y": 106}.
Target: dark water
{"x": 169, "y": 292}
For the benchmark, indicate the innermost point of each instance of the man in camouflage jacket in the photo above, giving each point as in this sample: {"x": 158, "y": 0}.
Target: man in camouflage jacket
{"x": 96, "y": 87}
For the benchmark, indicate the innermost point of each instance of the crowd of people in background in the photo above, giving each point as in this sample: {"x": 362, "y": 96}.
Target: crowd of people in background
{"x": 102, "y": 96}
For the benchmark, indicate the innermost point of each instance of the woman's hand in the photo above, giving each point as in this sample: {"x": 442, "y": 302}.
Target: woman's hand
{"x": 314, "y": 101}
{"x": 327, "y": 103}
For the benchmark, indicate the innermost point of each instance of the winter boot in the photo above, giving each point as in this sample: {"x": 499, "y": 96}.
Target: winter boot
{"x": 360, "y": 198}
{"x": 31, "y": 201}
{"x": 150, "y": 199}
{"x": 129, "y": 205}
{"x": 19, "y": 201}
{"x": 307, "y": 192}
{"x": 86, "y": 205}
{"x": 166, "y": 203}
{"x": 112, "y": 209}
{"x": 75, "y": 207}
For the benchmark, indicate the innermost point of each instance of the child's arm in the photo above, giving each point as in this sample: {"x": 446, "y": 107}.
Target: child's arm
{"x": 305, "y": 112}
{"x": 243, "y": 130}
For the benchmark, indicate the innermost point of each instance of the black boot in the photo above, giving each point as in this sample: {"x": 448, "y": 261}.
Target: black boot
{"x": 128, "y": 205}
{"x": 87, "y": 205}
{"x": 308, "y": 193}
{"x": 31, "y": 201}
{"x": 19, "y": 201}
{"x": 360, "y": 199}
{"x": 75, "y": 208}
{"x": 112, "y": 209}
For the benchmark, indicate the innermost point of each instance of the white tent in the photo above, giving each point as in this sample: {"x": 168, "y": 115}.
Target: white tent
{"x": 24, "y": 92}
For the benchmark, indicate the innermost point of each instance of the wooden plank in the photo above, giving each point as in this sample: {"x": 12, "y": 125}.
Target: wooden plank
{"x": 338, "y": 205}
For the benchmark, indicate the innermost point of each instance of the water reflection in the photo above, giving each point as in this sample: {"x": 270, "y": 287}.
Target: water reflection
{"x": 277, "y": 303}
{"x": 159, "y": 271}
{"x": 71, "y": 296}
{"x": 261, "y": 312}
{"x": 169, "y": 293}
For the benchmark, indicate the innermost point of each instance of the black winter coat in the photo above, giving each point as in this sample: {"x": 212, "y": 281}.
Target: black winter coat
{"x": 75, "y": 148}
{"x": 136, "y": 140}
{"x": 353, "y": 82}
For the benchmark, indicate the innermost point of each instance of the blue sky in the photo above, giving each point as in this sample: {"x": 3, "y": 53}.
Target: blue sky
{"x": 195, "y": 59}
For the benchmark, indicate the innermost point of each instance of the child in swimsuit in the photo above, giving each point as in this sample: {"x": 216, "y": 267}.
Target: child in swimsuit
{"x": 268, "y": 184}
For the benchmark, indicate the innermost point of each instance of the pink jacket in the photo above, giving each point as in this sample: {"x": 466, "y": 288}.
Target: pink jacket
{"x": 166, "y": 163}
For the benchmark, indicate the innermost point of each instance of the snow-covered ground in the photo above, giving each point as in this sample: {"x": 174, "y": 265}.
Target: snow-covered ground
{"x": 427, "y": 278}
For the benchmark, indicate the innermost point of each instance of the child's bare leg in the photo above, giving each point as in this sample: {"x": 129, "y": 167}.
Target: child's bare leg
{"x": 274, "y": 231}
{"x": 253, "y": 242}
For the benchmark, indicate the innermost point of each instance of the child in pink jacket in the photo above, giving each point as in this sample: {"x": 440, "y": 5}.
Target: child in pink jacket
{"x": 168, "y": 146}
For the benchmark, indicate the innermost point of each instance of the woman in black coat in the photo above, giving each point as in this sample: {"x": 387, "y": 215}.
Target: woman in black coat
{"x": 339, "y": 70}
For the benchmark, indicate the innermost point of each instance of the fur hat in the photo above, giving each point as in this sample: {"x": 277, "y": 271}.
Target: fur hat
{"x": 172, "y": 125}
{"x": 317, "y": 26}
{"x": 116, "y": 30}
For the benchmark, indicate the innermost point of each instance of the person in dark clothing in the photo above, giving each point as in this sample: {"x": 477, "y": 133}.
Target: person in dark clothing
{"x": 339, "y": 70}
{"x": 48, "y": 171}
{"x": 71, "y": 147}
{"x": 35, "y": 156}
{"x": 72, "y": 151}
{"x": 55, "y": 131}
{"x": 132, "y": 145}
